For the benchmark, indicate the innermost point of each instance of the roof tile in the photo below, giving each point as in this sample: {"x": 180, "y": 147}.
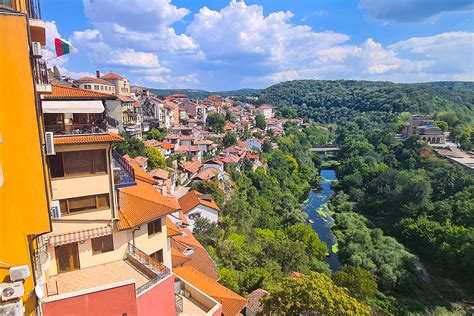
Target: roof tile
{"x": 87, "y": 139}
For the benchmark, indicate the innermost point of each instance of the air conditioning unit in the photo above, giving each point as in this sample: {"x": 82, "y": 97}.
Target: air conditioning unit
{"x": 19, "y": 273}
{"x": 12, "y": 309}
{"x": 55, "y": 209}
{"x": 10, "y": 291}
{"x": 49, "y": 139}
{"x": 36, "y": 48}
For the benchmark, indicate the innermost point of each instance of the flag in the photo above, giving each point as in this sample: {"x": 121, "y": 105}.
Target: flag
{"x": 62, "y": 47}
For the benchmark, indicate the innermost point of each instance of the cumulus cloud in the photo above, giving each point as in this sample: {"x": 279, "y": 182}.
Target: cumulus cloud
{"x": 412, "y": 10}
{"x": 241, "y": 32}
{"x": 144, "y": 24}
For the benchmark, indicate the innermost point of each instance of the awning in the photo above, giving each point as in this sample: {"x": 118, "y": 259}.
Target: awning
{"x": 90, "y": 106}
{"x": 68, "y": 238}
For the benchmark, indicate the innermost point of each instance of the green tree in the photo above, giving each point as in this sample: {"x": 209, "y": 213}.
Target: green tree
{"x": 313, "y": 245}
{"x": 229, "y": 278}
{"x": 360, "y": 283}
{"x": 215, "y": 122}
{"x": 229, "y": 140}
{"x": 314, "y": 293}
{"x": 157, "y": 134}
{"x": 155, "y": 158}
{"x": 131, "y": 146}
{"x": 260, "y": 121}
{"x": 267, "y": 146}
{"x": 206, "y": 231}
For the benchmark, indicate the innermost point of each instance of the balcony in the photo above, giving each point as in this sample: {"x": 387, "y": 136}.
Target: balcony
{"x": 34, "y": 9}
{"x": 124, "y": 175}
{"x": 77, "y": 129}
{"x": 40, "y": 70}
{"x": 148, "y": 266}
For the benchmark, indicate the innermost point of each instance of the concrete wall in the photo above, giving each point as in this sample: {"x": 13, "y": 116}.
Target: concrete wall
{"x": 205, "y": 212}
{"x": 159, "y": 300}
{"x": 114, "y": 301}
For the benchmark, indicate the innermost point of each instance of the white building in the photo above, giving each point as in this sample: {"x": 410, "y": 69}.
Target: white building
{"x": 195, "y": 204}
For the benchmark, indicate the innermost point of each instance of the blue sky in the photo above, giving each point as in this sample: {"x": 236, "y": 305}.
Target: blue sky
{"x": 218, "y": 45}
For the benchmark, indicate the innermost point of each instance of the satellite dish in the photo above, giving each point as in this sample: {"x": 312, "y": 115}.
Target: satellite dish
{"x": 39, "y": 291}
{"x": 57, "y": 74}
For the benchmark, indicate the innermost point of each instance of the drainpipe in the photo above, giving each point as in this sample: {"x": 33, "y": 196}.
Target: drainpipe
{"x": 133, "y": 234}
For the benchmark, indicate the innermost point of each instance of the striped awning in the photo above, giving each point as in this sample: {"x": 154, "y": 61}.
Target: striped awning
{"x": 68, "y": 238}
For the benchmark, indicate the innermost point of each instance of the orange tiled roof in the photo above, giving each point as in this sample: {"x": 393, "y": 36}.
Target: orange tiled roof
{"x": 207, "y": 174}
{"x": 152, "y": 143}
{"x": 166, "y": 145}
{"x": 232, "y": 303}
{"x": 171, "y": 228}
{"x": 112, "y": 76}
{"x": 142, "y": 203}
{"x": 94, "y": 79}
{"x": 159, "y": 173}
{"x": 199, "y": 259}
{"x": 192, "y": 166}
{"x": 87, "y": 139}
{"x": 69, "y": 93}
{"x": 140, "y": 174}
{"x": 192, "y": 199}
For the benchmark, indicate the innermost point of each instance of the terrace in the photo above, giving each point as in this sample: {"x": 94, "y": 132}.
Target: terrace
{"x": 75, "y": 123}
{"x": 124, "y": 175}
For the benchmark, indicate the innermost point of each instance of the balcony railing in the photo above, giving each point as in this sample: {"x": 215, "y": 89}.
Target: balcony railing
{"x": 159, "y": 270}
{"x": 77, "y": 129}
{"x": 179, "y": 303}
{"x": 41, "y": 71}
{"x": 124, "y": 175}
{"x": 34, "y": 9}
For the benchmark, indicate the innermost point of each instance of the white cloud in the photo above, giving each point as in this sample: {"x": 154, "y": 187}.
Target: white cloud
{"x": 241, "y": 32}
{"x": 143, "y": 25}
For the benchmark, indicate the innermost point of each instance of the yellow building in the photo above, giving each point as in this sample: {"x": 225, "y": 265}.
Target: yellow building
{"x": 23, "y": 185}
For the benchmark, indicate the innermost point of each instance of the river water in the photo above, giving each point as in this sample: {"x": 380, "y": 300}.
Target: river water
{"x": 317, "y": 210}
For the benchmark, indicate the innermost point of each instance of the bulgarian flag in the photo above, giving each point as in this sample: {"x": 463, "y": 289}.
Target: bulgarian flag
{"x": 62, "y": 47}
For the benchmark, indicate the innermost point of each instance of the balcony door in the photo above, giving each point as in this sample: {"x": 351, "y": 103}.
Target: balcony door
{"x": 67, "y": 257}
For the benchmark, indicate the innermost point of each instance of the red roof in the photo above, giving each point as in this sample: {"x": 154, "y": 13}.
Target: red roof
{"x": 112, "y": 76}
{"x": 88, "y": 139}
{"x": 264, "y": 107}
{"x": 232, "y": 303}
{"x": 69, "y": 93}
{"x": 166, "y": 145}
{"x": 94, "y": 80}
{"x": 194, "y": 198}
{"x": 191, "y": 166}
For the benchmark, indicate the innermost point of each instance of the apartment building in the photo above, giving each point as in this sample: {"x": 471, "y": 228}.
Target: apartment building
{"x": 95, "y": 84}
{"x": 122, "y": 84}
{"x": 23, "y": 180}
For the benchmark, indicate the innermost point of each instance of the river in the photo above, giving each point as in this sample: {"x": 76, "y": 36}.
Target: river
{"x": 317, "y": 210}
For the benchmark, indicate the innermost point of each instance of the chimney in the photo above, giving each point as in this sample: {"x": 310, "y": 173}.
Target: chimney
{"x": 97, "y": 74}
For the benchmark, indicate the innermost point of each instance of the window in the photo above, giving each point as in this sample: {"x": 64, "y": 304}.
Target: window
{"x": 157, "y": 256}
{"x": 9, "y": 4}
{"x": 84, "y": 203}
{"x": 102, "y": 88}
{"x": 77, "y": 163}
{"x": 102, "y": 244}
{"x": 154, "y": 227}
{"x": 96, "y": 87}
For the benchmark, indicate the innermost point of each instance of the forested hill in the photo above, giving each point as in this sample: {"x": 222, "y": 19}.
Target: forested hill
{"x": 202, "y": 94}
{"x": 333, "y": 101}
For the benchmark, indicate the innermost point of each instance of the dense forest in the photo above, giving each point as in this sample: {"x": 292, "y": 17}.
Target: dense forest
{"x": 335, "y": 101}
{"x": 202, "y": 94}
{"x": 401, "y": 189}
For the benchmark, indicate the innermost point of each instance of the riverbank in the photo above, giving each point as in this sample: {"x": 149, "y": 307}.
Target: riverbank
{"x": 318, "y": 212}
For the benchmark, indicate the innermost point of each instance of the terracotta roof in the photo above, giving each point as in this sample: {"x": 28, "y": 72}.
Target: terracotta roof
{"x": 124, "y": 98}
{"x": 94, "y": 80}
{"x": 69, "y": 93}
{"x": 254, "y": 305}
{"x": 88, "y": 139}
{"x": 251, "y": 156}
{"x": 152, "y": 143}
{"x": 199, "y": 258}
{"x": 140, "y": 174}
{"x": 202, "y": 142}
{"x": 264, "y": 107}
{"x": 166, "y": 145}
{"x": 232, "y": 303}
{"x": 231, "y": 158}
{"x": 171, "y": 228}
{"x": 214, "y": 161}
{"x": 142, "y": 203}
{"x": 194, "y": 198}
{"x": 159, "y": 173}
{"x": 112, "y": 76}
{"x": 188, "y": 148}
{"x": 207, "y": 174}
{"x": 191, "y": 166}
